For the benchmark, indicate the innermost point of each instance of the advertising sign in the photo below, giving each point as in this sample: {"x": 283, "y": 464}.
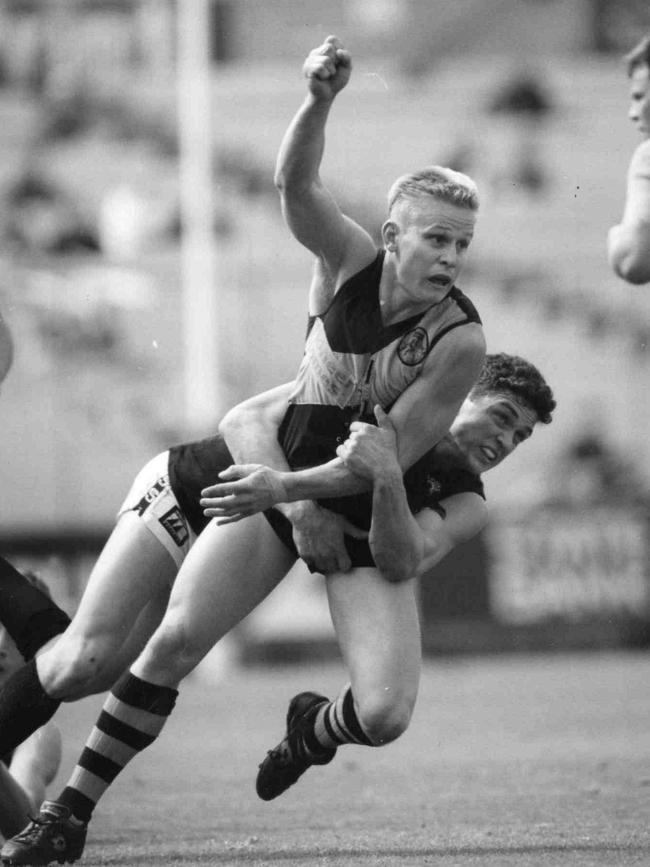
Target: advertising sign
{"x": 570, "y": 565}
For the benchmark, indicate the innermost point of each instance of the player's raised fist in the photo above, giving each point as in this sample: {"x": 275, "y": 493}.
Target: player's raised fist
{"x": 327, "y": 68}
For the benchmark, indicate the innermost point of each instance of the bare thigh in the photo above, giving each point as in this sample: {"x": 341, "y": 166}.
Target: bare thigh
{"x": 228, "y": 572}
{"x": 122, "y": 604}
{"x": 378, "y": 631}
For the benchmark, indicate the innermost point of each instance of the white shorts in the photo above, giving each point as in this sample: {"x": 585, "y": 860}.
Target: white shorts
{"x": 152, "y": 498}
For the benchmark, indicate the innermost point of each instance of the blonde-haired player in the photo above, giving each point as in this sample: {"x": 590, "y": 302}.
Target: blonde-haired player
{"x": 628, "y": 243}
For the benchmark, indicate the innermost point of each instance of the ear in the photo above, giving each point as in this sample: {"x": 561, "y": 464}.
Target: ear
{"x": 389, "y": 234}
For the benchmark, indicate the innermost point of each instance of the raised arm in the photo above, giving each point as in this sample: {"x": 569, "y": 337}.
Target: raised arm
{"x": 309, "y": 209}
{"x": 628, "y": 243}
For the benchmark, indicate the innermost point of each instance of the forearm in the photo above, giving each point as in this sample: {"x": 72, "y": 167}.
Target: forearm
{"x": 396, "y": 541}
{"x": 332, "y": 479}
{"x": 252, "y": 437}
{"x": 302, "y": 147}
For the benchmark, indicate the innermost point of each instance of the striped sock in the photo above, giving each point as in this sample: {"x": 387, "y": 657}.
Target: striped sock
{"x": 132, "y": 718}
{"x": 336, "y": 723}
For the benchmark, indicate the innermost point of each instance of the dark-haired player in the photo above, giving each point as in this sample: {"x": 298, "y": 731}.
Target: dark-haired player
{"x": 407, "y": 539}
{"x": 416, "y": 520}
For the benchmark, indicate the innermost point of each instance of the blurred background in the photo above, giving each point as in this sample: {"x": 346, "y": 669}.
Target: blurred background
{"x": 122, "y": 121}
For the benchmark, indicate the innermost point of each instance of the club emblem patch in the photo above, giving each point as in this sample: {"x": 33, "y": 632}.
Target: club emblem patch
{"x": 413, "y": 347}
{"x": 174, "y": 522}
{"x": 433, "y": 486}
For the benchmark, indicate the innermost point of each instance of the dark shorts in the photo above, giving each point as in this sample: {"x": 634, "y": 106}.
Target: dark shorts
{"x": 358, "y": 549}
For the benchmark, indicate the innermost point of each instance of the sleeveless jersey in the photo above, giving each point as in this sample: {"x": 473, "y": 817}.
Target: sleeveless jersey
{"x": 352, "y": 362}
{"x": 193, "y": 466}
{"x": 430, "y": 480}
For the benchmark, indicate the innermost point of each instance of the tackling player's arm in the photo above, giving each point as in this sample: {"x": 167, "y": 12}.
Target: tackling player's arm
{"x": 628, "y": 243}
{"x": 404, "y": 545}
{"x": 422, "y": 415}
{"x": 250, "y": 430}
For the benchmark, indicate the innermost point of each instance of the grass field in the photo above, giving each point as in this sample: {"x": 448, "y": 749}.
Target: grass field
{"x": 526, "y": 761}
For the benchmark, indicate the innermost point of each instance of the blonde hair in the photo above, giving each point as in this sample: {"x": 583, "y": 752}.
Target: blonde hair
{"x": 437, "y": 181}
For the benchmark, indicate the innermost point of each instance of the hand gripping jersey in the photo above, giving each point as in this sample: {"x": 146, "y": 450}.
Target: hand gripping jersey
{"x": 352, "y": 362}
{"x": 431, "y": 479}
{"x": 195, "y": 465}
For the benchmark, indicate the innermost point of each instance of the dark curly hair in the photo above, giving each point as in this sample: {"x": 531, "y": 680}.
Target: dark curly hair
{"x": 510, "y": 373}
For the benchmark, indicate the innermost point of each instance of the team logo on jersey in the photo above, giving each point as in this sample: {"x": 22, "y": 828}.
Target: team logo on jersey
{"x": 413, "y": 347}
{"x": 174, "y": 522}
{"x": 433, "y": 486}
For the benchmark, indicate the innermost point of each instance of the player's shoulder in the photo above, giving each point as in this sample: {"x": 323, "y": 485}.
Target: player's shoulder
{"x": 464, "y": 346}
{"x": 441, "y": 476}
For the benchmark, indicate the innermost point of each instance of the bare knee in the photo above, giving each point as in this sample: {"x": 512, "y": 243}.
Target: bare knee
{"x": 77, "y": 666}
{"x": 385, "y": 714}
{"x": 171, "y": 653}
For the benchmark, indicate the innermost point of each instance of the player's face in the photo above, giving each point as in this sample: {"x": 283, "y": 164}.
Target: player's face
{"x": 489, "y": 427}
{"x": 431, "y": 245}
{"x": 639, "y": 112}
{"x": 10, "y": 658}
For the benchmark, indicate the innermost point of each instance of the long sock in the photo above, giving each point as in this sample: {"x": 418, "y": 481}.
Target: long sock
{"x": 336, "y": 723}
{"x": 28, "y": 614}
{"x": 24, "y": 707}
{"x": 132, "y": 718}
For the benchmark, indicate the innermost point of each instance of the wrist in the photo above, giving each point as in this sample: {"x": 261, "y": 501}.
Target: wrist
{"x": 298, "y": 510}
{"x": 277, "y": 486}
{"x": 318, "y": 101}
{"x": 389, "y": 478}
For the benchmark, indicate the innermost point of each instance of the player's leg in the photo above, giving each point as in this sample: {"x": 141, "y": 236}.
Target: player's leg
{"x": 377, "y": 627}
{"x": 28, "y": 613}
{"x": 227, "y": 573}
{"x": 35, "y": 763}
{"x": 378, "y": 630}
{"x": 133, "y": 570}
{"x": 15, "y": 806}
